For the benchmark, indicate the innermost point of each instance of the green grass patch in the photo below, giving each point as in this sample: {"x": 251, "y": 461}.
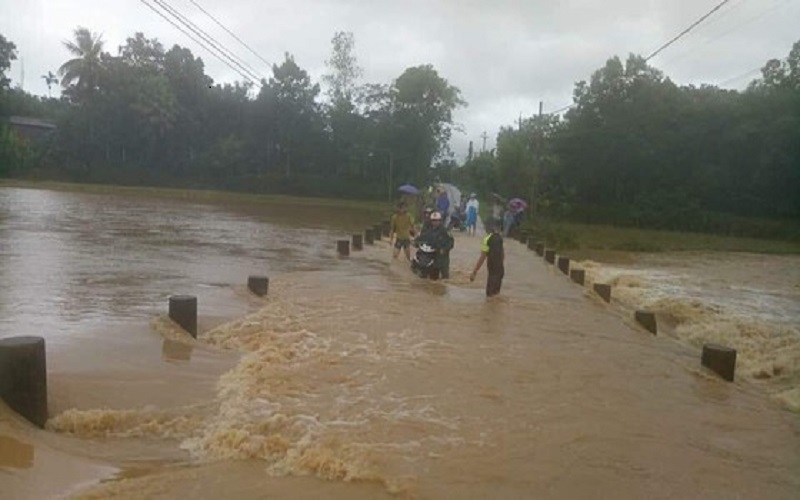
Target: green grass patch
{"x": 573, "y": 236}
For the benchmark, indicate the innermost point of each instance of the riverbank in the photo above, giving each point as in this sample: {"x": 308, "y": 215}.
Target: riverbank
{"x": 585, "y": 238}
{"x": 200, "y": 195}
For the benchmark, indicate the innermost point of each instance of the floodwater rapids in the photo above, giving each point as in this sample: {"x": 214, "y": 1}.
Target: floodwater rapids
{"x": 355, "y": 379}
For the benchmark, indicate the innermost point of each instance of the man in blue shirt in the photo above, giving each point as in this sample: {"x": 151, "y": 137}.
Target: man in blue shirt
{"x": 443, "y": 205}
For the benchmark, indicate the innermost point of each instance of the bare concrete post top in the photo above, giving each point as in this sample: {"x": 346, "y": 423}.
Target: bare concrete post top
{"x": 647, "y": 319}
{"x": 369, "y": 237}
{"x": 550, "y": 255}
{"x": 719, "y": 359}
{"x": 23, "y": 377}
{"x": 539, "y": 248}
{"x": 358, "y": 242}
{"x": 259, "y": 285}
{"x": 578, "y": 276}
{"x": 603, "y": 290}
{"x": 183, "y": 311}
{"x": 563, "y": 264}
{"x": 343, "y": 247}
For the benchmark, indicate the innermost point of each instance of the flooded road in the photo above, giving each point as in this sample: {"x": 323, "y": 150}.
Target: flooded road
{"x": 352, "y": 379}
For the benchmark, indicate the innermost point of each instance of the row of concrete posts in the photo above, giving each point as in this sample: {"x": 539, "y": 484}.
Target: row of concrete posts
{"x": 720, "y": 359}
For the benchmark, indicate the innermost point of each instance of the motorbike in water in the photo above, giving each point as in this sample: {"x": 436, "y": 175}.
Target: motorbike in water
{"x": 422, "y": 263}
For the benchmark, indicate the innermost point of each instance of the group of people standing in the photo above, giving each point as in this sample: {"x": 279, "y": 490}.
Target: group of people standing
{"x": 433, "y": 231}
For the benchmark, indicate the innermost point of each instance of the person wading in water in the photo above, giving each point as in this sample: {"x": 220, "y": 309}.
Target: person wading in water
{"x": 402, "y": 230}
{"x": 492, "y": 252}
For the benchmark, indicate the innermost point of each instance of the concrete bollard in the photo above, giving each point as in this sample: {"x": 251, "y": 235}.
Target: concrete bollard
{"x": 259, "y": 285}
{"x": 369, "y": 237}
{"x": 386, "y": 228}
{"x": 376, "y": 232}
{"x": 719, "y": 359}
{"x": 563, "y": 264}
{"x": 647, "y": 319}
{"x": 539, "y": 248}
{"x": 603, "y": 291}
{"x": 550, "y": 256}
{"x": 531, "y": 243}
{"x": 358, "y": 242}
{"x": 578, "y": 276}
{"x": 23, "y": 377}
{"x": 183, "y": 310}
{"x": 343, "y": 247}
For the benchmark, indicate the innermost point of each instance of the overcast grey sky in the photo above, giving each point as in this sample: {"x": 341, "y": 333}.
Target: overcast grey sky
{"x": 504, "y": 55}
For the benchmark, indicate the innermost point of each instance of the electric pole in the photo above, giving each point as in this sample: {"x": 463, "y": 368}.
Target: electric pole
{"x": 484, "y": 137}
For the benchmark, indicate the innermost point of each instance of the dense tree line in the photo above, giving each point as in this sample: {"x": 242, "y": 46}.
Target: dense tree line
{"x": 634, "y": 149}
{"x": 151, "y": 115}
{"x": 637, "y": 149}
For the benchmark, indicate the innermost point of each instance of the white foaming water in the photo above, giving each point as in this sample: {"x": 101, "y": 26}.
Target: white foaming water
{"x": 748, "y": 302}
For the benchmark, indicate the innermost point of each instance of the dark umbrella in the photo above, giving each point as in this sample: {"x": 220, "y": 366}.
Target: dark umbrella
{"x": 408, "y": 189}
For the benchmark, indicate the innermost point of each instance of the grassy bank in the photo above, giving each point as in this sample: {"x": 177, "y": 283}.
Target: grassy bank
{"x": 200, "y": 196}
{"x": 574, "y": 236}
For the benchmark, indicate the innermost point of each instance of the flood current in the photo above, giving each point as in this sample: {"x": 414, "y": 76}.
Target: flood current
{"x": 353, "y": 378}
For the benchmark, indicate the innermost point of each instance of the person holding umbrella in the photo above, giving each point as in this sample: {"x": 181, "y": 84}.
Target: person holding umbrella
{"x": 513, "y": 215}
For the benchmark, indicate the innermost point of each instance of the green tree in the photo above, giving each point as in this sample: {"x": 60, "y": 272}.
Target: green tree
{"x": 8, "y": 53}
{"x": 422, "y": 106}
{"x": 81, "y": 74}
{"x": 293, "y": 115}
{"x": 345, "y": 124}
{"x": 344, "y": 71}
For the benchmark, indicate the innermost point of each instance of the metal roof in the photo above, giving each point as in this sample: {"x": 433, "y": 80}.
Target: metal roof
{"x": 30, "y": 122}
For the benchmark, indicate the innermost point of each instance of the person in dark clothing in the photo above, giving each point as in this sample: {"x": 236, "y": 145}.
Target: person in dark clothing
{"x": 493, "y": 254}
{"x": 439, "y": 238}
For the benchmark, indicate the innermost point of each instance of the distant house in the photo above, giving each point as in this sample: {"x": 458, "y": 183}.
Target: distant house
{"x": 32, "y": 129}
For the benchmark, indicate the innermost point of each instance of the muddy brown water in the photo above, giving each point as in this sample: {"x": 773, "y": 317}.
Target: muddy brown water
{"x": 354, "y": 379}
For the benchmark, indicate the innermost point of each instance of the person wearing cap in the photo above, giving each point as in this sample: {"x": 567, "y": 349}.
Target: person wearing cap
{"x": 437, "y": 236}
{"x": 402, "y": 228}
{"x": 472, "y": 214}
{"x": 493, "y": 254}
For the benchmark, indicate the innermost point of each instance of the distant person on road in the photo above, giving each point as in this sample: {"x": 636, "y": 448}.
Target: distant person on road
{"x": 426, "y": 219}
{"x": 443, "y": 205}
{"x": 472, "y": 214}
{"x": 508, "y": 222}
{"x": 493, "y": 254}
{"x": 402, "y": 229}
{"x": 497, "y": 211}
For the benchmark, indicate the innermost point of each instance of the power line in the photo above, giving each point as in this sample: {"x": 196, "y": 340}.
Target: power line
{"x": 562, "y": 109}
{"x": 224, "y": 51}
{"x": 780, "y": 4}
{"x": 195, "y": 40}
{"x": 687, "y": 30}
{"x": 739, "y": 77}
{"x": 231, "y": 33}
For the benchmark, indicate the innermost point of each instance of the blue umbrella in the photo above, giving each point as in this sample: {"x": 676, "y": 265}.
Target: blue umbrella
{"x": 408, "y": 189}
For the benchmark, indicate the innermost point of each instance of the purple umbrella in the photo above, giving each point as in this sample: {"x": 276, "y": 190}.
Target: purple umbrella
{"x": 517, "y": 204}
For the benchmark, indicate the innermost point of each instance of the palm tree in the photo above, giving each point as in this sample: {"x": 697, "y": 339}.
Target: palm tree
{"x": 85, "y": 68}
{"x": 50, "y": 79}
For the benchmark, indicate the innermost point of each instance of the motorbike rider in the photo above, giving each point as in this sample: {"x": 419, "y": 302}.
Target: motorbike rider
{"x": 439, "y": 238}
